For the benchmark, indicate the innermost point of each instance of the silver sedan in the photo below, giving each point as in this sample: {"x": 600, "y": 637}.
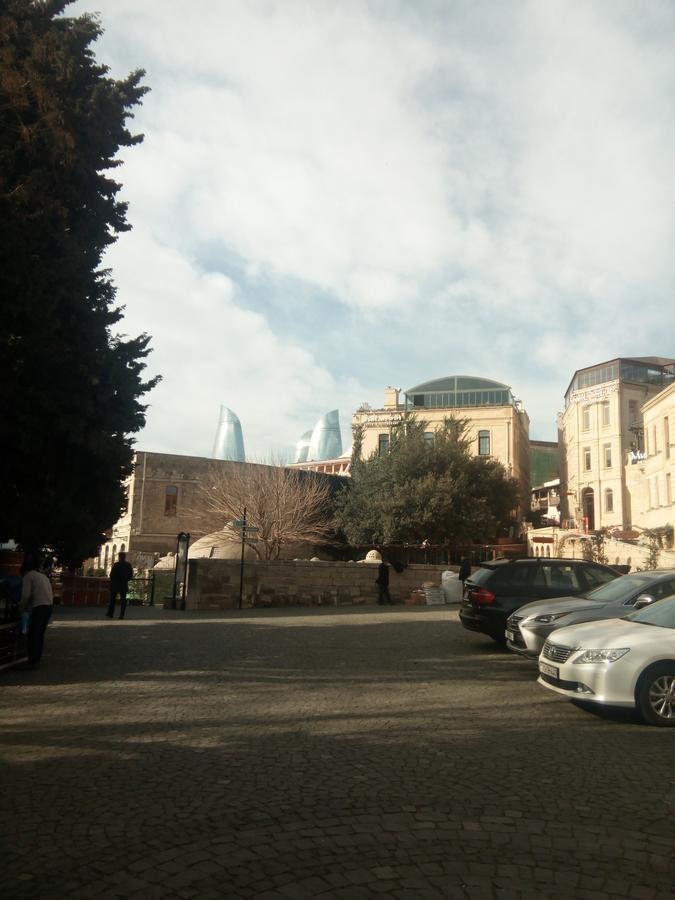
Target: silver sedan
{"x": 529, "y": 627}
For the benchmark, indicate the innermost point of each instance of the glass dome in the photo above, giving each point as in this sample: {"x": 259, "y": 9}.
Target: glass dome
{"x": 457, "y": 391}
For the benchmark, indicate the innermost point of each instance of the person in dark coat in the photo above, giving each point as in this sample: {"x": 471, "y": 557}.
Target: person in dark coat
{"x": 464, "y": 569}
{"x": 120, "y": 576}
{"x": 382, "y": 582}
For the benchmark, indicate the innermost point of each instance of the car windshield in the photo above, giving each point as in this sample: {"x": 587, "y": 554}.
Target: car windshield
{"x": 620, "y": 588}
{"x": 661, "y": 613}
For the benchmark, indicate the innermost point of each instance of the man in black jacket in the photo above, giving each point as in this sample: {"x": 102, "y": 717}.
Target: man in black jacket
{"x": 382, "y": 582}
{"x": 120, "y": 576}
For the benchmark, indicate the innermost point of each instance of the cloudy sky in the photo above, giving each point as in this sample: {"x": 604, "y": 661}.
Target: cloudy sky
{"x": 333, "y": 197}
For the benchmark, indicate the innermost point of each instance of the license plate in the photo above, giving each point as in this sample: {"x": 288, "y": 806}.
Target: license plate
{"x": 510, "y": 636}
{"x": 545, "y": 669}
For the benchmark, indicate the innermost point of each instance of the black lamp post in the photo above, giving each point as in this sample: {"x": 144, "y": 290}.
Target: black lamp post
{"x": 180, "y": 575}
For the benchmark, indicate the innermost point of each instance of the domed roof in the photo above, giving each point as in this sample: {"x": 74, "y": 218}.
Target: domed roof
{"x": 458, "y": 383}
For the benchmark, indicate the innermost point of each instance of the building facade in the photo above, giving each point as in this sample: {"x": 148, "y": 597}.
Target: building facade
{"x": 164, "y": 498}
{"x": 601, "y": 425}
{"x": 497, "y": 424}
{"x": 650, "y": 471}
{"x": 162, "y": 501}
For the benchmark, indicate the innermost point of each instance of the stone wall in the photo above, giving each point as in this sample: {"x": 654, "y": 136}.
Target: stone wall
{"x": 214, "y": 583}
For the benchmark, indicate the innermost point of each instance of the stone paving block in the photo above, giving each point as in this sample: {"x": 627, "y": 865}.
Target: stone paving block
{"x": 242, "y": 752}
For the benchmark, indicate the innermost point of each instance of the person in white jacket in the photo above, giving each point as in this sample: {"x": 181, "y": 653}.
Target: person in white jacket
{"x": 37, "y": 599}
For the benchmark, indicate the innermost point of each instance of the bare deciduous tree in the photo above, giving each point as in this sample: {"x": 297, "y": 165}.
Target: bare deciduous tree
{"x": 287, "y": 506}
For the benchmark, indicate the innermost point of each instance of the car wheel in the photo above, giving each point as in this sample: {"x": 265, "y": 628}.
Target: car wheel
{"x": 656, "y": 695}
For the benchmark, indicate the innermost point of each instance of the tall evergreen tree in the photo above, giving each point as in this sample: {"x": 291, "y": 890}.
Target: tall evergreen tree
{"x": 71, "y": 385}
{"x": 427, "y": 490}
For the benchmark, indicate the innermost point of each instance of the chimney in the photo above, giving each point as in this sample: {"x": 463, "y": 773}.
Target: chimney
{"x": 391, "y": 398}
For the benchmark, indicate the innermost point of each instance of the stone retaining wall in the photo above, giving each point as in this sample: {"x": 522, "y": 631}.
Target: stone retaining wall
{"x": 214, "y": 583}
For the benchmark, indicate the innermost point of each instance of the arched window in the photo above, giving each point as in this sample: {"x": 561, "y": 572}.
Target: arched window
{"x": 105, "y": 558}
{"x": 114, "y": 552}
{"x": 171, "y": 500}
{"x": 483, "y": 443}
{"x": 609, "y": 500}
{"x": 123, "y": 547}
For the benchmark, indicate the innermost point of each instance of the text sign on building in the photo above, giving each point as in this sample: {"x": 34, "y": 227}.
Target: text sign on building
{"x": 593, "y": 394}
{"x": 382, "y": 419}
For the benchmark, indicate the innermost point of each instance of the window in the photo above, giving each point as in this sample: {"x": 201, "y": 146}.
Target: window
{"x": 171, "y": 500}
{"x": 669, "y": 490}
{"x": 632, "y": 412}
{"x": 595, "y": 576}
{"x": 586, "y": 418}
{"x": 666, "y": 437}
{"x": 560, "y": 577}
{"x": 655, "y": 443}
{"x": 428, "y": 437}
{"x": 587, "y": 459}
{"x": 607, "y": 455}
{"x": 483, "y": 443}
{"x": 609, "y": 500}
{"x": 604, "y": 408}
{"x": 382, "y": 444}
{"x": 662, "y": 589}
{"x": 656, "y": 491}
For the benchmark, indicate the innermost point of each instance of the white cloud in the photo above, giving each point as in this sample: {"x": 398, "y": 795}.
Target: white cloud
{"x": 501, "y": 172}
{"x": 211, "y": 351}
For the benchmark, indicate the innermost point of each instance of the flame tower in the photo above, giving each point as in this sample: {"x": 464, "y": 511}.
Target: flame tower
{"x": 229, "y": 442}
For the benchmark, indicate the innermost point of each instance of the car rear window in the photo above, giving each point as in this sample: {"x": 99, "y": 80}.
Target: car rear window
{"x": 480, "y": 576}
{"x": 511, "y": 574}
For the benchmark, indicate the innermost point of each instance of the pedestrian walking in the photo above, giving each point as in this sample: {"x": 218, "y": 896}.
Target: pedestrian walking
{"x": 120, "y": 576}
{"x": 464, "y": 569}
{"x": 382, "y": 582}
{"x": 37, "y": 598}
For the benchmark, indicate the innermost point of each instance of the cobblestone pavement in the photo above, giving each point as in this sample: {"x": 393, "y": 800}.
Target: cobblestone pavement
{"x": 318, "y": 753}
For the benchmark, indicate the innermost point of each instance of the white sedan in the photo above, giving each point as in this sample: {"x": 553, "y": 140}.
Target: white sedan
{"x": 617, "y": 662}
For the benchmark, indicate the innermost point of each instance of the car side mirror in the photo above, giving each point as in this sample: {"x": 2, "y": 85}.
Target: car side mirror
{"x": 643, "y": 600}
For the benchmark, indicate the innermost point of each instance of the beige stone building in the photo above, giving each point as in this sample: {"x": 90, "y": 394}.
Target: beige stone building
{"x": 600, "y": 433}
{"x": 162, "y": 495}
{"x": 498, "y": 426}
{"x": 163, "y": 499}
{"x": 650, "y": 470}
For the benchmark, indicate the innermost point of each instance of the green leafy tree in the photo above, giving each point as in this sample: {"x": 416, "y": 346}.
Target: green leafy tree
{"x": 71, "y": 384}
{"x": 434, "y": 490}
{"x": 594, "y": 550}
{"x": 656, "y": 540}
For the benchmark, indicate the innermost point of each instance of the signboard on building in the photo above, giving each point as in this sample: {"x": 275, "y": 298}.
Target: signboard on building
{"x": 594, "y": 394}
{"x": 385, "y": 419}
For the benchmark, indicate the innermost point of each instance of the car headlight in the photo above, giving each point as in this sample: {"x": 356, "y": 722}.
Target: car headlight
{"x": 602, "y": 656}
{"x": 551, "y": 617}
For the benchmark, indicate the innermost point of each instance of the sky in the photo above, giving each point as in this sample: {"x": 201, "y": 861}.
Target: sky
{"x": 334, "y": 197}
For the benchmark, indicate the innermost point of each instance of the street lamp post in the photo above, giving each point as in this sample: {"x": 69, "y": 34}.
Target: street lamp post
{"x": 180, "y": 574}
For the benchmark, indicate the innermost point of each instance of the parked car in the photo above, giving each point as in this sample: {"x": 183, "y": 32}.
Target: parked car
{"x": 627, "y": 662}
{"x": 528, "y": 628}
{"x": 500, "y": 587}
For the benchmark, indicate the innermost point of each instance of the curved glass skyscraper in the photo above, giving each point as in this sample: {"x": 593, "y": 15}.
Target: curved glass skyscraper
{"x": 229, "y": 442}
{"x": 326, "y": 440}
{"x": 302, "y": 447}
